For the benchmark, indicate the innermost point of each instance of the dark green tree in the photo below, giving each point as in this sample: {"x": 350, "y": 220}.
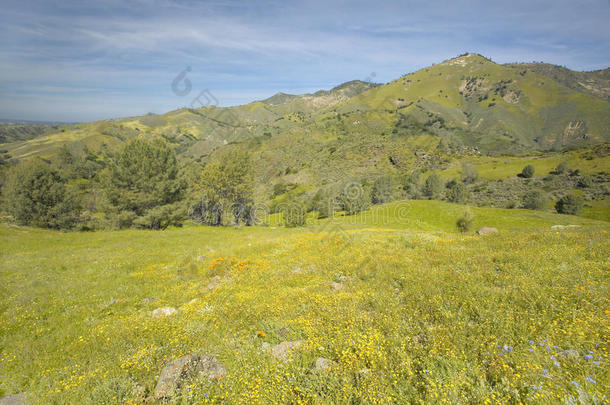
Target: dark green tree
{"x": 433, "y": 186}
{"x": 569, "y": 204}
{"x": 469, "y": 173}
{"x": 534, "y": 200}
{"x": 143, "y": 176}
{"x": 383, "y": 190}
{"x": 354, "y": 198}
{"x": 457, "y": 192}
{"x": 294, "y": 213}
{"x": 37, "y": 195}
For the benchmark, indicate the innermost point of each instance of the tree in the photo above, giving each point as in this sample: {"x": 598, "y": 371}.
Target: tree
{"x": 294, "y": 213}
{"x": 37, "y": 195}
{"x": 382, "y": 190}
{"x": 586, "y": 181}
{"x": 528, "y": 172}
{"x": 413, "y": 184}
{"x": 227, "y": 187}
{"x": 457, "y": 193}
{"x": 569, "y": 204}
{"x": 143, "y": 176}
{"x": 433, "y": 186}
{"x": 469, "y": 173}
{"x": 534, "y": 200}
{"x": 354, "y": 198}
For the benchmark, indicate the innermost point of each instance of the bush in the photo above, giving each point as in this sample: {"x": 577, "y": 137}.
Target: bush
{"x": 382, "y": 190}
{"x": 528, "y": 172}
{"x": 457, "y": 193}
{"x": 325, "y": 203}
{"x": 586, "y": 182}
{"x": 469, "y": 173}
{"x": 534, "y": 200}
{"x": 464, "y": 223}
{"x": 354, "y": 198}
{"x": 433, "y": 186}
{"x": 562, "y": 168}
{"x": 294, "y": 213}
{"x": 37, "y": 195}
{"x": 412, "y": 184}
{"x": 569, "y": 204}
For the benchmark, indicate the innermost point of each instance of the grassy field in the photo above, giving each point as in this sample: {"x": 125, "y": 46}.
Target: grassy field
{"x": 424, "y": 315}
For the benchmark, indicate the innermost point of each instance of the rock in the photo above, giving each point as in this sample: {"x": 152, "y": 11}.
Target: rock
{"x": 336, "y": 286}
{"x": 166, "y": 311}
{"x": 213, "y": 284}
{"x": 322, "y": 364}
{"x": 117, "y": 301}
{"x": 148, "y": 300}
{"x": 487, "y": 231}
{"x": 15, "y": 399}
{"x": 193, "y": 301}
{"x": 562, "y": 227}
{"x": 190, "y": 366}
{"x": 283, "y": 351}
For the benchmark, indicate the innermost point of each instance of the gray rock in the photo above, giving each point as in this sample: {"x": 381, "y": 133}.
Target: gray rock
{"x": 322, "y": 364}
{"x": 166, "y": 311}
{"x": 213, "y": 284}
{"x": 184, "y": 368}
{"x": 148, "y": 300}
{"x": 283, "y": 351}
{"x": 15, "y": 399}
{"x": 563, "y": 227}
{"x": 487, "y": 231}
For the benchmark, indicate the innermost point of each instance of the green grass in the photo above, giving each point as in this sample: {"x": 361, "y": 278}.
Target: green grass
{"x": 424, "y": 315}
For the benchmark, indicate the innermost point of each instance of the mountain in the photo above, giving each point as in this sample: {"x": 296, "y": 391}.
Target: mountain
{"x": 464, "y": 106}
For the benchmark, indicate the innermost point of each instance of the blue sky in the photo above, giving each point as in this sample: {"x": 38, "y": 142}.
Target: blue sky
{"x": 80, "y": 61}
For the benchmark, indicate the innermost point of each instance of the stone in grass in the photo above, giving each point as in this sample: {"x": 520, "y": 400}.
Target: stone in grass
{"x": 215, "y": 282}
{"x": 336, "y": 286}
{"x": 15, "y": 399}
{"x": 283, "y": 351}
{"x": 186, "y": 367}
{"x": 166, "y": 311}
{"x": 487, "y": 231}
{"x": 562, "y": 227}
{"x": 322, "y": 364}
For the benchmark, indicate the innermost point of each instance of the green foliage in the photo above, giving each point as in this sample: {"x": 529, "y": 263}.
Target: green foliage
{"x": 143, "y": 177}
{"x": 528, "y": 172}
{"x": 569, "y": 204}
{"x": 226, "y": 188}
{"x": 586, "y": 181}
{"x": 457, "y": 192}
{"x": 354, "y": 198}
{"x": 562, "y": 167}
{"x": 294, "y": 213}
{"x": 36, "y": 195}
{"x": 162, "y": 217}
{"x": 433, "y": 186}
{"x": 534, "y": 200}
{"x": 465, "y": 222}
{"x": 383, "y": 190}
{"x": 469, "y": 173}
{"x": 412, "y": 184}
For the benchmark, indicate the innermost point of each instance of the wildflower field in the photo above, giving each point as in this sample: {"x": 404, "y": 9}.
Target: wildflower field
{"x": 409, "y": 311}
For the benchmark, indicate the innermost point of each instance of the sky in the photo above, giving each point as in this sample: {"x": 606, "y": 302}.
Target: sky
{"x": 75, "y": 60}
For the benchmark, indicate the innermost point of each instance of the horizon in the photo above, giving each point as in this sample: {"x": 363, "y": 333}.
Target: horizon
{"x": 67, "y": 62}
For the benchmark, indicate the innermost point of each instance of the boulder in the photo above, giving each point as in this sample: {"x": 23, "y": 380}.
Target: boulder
{"x": 215, "y": 282}
{"x": 487, "y": 231}
{"x": 184, "y": 368}
{"x": 336, "y": 286}
{"x": 161, "y": 312}
{"x": 283, "y": 351}
{"x": 15, "y": 399}
{"x": 322, "y": 364}
{"x": 562, "y": 227}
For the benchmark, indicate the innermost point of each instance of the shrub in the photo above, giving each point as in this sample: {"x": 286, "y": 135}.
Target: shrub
{"x": 534, "y": 200}
{"x": 382, "y": 190}
{"x": 528, "y": 172}
{"x": 457, "y": 193}
{"x": 569, "y": 204}
{"x": 433, "y": 186}
{"x": 469, "y": 173}
{"x": 37, "y": 195}
{"x": 294, "y": 213}
{"x": 562, "y": 168}
{"x": 464, "y": 223}
{"x": 585, "y": 181}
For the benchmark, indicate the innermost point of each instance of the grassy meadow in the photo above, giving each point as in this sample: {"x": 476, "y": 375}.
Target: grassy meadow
{"x": 419, "y": 313}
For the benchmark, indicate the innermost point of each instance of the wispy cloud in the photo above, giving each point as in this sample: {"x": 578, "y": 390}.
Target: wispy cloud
{"x": 92, "y": 57}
